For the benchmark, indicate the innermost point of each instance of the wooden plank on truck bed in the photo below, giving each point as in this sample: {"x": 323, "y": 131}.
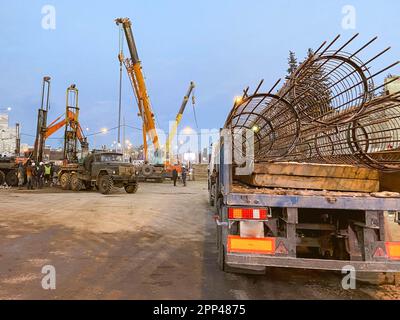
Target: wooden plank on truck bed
{"x": 308, "y": 182}
{"x": 316, "y": 170}
{"x": 390, "y": 181}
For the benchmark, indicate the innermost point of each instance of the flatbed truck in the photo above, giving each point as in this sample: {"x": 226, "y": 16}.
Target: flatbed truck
{"x": 308, "y": 229}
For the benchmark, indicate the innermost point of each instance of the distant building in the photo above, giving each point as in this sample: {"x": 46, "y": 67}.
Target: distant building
{"x": 7, "y": 136}
{"x": 49, "y": 154}
{"x": 392, "y": 87}
{"x": 24, "y": 148}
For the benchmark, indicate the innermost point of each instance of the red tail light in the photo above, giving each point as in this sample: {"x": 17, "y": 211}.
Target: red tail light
{"x": 247, "y": 213}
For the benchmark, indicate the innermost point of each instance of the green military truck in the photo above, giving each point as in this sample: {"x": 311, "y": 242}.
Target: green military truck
{"x": 8, "y": 171}
{"x": 100, "y": 170}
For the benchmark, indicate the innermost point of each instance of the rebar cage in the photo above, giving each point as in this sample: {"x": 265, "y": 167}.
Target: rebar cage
{"x": 327, "y": 111}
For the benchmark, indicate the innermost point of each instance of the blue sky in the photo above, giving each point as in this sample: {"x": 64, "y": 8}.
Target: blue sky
{"x": 221, "y": 45}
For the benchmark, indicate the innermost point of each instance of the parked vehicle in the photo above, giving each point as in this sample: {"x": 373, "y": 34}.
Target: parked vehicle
{"x": 8, "y": 171}
{"x": 101, "y": 170}
{"x": 259, "y": 228}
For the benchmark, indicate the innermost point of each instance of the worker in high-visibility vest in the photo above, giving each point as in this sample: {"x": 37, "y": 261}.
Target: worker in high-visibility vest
{"x": 47, "y": 174}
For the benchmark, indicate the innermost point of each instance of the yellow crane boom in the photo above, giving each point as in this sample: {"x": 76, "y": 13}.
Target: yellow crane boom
{"x": 174, "y": 127}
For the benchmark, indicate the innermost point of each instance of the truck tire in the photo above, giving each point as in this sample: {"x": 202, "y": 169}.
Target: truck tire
{"x": 221, "y": 250}
{"x": 131, "y": 188}
{"x": 76, "y": 183}
{"x": 11, "y": 178}
{"x": 65, "y": 181}
{"x": 88, "y": 185}
{"x": 221, "y": 258}
{"x": 2, "y": 178}
{"x": 147, "y": 170}
{"x": 254, "y": 270}
{"x": 211, "y": 199}
{"x": 105, "y": 184}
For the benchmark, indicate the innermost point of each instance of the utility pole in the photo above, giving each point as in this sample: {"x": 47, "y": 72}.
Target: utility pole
{"x": 123, "y": 138}
{"x": 17, "y": 140}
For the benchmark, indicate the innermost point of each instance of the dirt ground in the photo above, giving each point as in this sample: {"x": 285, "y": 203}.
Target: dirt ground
{"x": 156, "y": 244}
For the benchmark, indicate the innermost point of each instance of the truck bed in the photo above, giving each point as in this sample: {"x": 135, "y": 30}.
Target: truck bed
{"x": 242, "y": 194}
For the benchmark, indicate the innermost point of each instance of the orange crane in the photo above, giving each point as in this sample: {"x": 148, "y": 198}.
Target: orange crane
{"x": 73, "y": 130}
{"x": 155, "y": 169}
{"x": 134, "y": 69}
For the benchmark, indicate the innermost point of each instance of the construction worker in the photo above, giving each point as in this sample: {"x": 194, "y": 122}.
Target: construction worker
{"x": 47, "y": 174}
{"x": 184, "y": 175}
{"x": 20, "y": 175}
{"x": 40, "y": 175}
{"x": 54, "y": 175}
{"x": 174, "y": 176}
{"x": 29, "y": 175}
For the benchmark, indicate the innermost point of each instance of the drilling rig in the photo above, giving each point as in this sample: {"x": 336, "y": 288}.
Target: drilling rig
{"x": 73, "y": 131}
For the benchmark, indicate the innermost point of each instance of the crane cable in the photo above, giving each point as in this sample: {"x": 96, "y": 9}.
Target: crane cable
{"x": 121, "y": 51}
{"x": 194, "y": 109}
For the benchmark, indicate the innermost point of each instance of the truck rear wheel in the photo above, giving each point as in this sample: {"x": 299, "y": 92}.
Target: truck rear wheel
{"x": 105, "y": 184}
{"x": 76, "y": 183}
{"x": 131, "y": 188}
{"x": 255, "y": 270}
{"x": 211, "y": 199}
{"x": 2, "y": 177}
{"x": 221, "y": 257}
{"x": 11, "y": 178}
{"x": 88, "y": 185}
{"x": 65, "y": 181}
{"x": 147, "y": 170}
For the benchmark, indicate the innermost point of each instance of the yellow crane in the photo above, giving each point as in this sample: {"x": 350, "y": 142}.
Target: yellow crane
{"x": 169, "y": 163}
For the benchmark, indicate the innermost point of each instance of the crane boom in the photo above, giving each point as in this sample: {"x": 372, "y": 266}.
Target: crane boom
{"x": 178, "y": 119}
{"x": 134, "y": 70}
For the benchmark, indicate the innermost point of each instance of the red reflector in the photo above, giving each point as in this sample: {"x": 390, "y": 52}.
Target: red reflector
{"x": 379, "y": 253}
{"x": 247, "y": 213}
{"x": 281, "y": 249}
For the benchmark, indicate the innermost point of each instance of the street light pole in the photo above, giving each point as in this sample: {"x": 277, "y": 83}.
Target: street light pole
{"x": 17, "y": 140}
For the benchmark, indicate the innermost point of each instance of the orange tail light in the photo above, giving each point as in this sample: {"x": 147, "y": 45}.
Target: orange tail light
{"x": 251, "y": 245}
{"x": 393, "y": 250}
